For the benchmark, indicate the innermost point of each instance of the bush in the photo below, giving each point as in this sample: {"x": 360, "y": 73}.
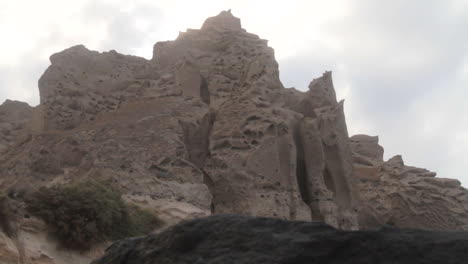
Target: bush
{"x": 140, "y": 222}
{"x": 86, "y": 213}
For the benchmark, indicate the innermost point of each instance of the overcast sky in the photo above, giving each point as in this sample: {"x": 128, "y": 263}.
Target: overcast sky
{"x": 401, "y": 65}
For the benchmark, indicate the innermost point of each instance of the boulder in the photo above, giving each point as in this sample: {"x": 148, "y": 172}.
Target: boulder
{"x": 236, "y": 239}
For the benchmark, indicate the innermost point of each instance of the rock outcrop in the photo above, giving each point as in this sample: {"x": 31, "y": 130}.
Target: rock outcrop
{"x": 205, "y": 124}
{"x": 206, "y": 127}
{"x": 32, "y": 244}
{"x": 404, "y": 196}
{"x": 235, "y": 239}
{"x": 15, "y": 120}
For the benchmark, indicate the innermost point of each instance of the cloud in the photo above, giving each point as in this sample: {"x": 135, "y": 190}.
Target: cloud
{"x": 127, "y": 27}
{"x": 403, "y": 64}
{"x": 54, "y": 26}
{"x": 20, "y": 83}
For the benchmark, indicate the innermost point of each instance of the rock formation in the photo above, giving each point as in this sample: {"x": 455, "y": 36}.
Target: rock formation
{"x": 205, "y": 124}
{"x": 15, "y": 118}
{"x": 235, "y": 239}
{"x": 404, "y": 196}
{"x": 206, "y": 127}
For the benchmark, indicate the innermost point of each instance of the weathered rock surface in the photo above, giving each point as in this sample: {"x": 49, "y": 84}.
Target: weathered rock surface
{"x": 15, "y": 120}
{"x": 404, "y": 196}
{"x": 236, "y": 239}
{"x": 206, "y": 123}
{"x": 206, "y": 127}
{"x": 33, "y": 245}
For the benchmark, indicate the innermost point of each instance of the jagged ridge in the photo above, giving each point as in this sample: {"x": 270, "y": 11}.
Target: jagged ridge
{"x": 206, "y": 127}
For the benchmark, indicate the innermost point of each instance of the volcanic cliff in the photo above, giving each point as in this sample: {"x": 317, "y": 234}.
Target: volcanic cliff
{"x": 206, "y": 127}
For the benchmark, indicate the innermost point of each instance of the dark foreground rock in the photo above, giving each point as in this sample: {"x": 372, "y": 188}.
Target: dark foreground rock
{"x": 238, "y": 239}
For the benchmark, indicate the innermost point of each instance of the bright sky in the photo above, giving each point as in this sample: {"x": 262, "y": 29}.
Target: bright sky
{"x": 402, "y": 66}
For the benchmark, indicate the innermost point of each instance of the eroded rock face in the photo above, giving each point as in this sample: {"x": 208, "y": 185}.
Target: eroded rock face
{"x": 15, "y": 120}
{"x": 404, "y": 196}
{"x": 206, "y": 122}
{"x": 79, "y": 84}
{"x": 32, "y": 245}
{"x": 235, "y": 239}
{"x": 206, "y": 127}
{"x": 324, "y": 167}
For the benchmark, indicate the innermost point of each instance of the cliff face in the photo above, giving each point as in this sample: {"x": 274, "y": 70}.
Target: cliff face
{"x": 204, "y": 127}
{"x": 404, "y": 196}
{"x": 205, "y": 124}
{"x": 15, "y": 118}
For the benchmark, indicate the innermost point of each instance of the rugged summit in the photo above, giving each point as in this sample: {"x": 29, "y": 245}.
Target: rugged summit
{"x": 206, "y": 127}
{"x": 206, "y": 124}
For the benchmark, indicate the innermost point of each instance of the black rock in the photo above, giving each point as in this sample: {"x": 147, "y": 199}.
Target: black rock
{"x": 237, "y": 239}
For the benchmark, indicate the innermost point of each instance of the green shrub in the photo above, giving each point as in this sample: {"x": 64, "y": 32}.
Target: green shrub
{"x": 141, "y": 221}
{"x": 88, "y": 212}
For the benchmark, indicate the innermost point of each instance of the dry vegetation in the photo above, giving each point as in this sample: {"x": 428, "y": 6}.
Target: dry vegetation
{"x": 89, "y": 212}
